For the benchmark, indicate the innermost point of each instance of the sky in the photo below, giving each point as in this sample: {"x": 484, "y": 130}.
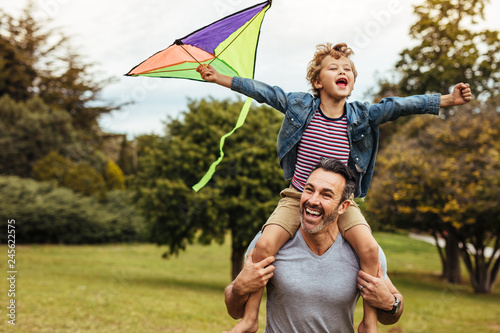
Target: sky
{"x": 117, "y": 35}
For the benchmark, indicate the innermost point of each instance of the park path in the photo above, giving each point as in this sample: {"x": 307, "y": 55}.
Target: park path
{"x": 429, "y": 239}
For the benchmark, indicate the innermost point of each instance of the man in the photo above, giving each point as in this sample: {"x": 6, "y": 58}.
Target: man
{"x": 314, "y": 285}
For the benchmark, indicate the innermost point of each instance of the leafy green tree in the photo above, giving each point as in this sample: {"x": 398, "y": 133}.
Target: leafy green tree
{"x": 49, "y": 100}
{"x": 16, "y": 71}
{"x": 450, "y": 50}
{"x": 444, "y": 176}
{"x": 30, "y": 130}
{"x": 242, "y": 194}
{"x": 38, "y": 61}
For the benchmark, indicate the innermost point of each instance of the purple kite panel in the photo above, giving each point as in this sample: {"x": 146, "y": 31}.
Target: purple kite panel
{"x": 209, "y": 37}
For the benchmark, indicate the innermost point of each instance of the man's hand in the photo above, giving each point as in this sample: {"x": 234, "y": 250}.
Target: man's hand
{"x": 253, "y": 276}
{"x": 374, "y": 290}
{"x": 461, "y": 94}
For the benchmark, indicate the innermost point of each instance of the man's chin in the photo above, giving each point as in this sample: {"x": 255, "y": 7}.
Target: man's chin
{"x": 311, "y": 228}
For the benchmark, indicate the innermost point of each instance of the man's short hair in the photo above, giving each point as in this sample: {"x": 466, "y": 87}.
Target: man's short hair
{"x": 336, "y": 166}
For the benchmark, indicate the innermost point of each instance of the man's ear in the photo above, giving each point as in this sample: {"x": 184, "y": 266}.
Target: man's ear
{"x": 343, "y": 206}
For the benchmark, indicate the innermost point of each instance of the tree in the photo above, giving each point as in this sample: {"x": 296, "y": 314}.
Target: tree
{"x": 49, "y": 102}
{"x": 450, "y": 51}
{"x": 444, "y": 176}
{"x": 242, "y": 194}
{"x": 37, "y": 61}
{"x": 30, "y": 130}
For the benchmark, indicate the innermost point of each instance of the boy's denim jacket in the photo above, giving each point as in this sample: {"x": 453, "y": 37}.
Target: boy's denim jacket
{"x": 363, "y": 121}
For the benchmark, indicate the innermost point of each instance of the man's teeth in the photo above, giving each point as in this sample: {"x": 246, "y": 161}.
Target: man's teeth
{"x": 312, "y": 212}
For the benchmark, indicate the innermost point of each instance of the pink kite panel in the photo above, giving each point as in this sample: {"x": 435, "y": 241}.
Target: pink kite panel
{"x": 171, "y": 56}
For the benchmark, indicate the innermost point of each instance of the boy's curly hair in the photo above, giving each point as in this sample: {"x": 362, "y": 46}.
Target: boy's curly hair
{"x": 322, "y": 51}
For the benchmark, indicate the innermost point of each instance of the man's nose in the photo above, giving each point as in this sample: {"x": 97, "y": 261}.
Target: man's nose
{"x": 314, "y": 199}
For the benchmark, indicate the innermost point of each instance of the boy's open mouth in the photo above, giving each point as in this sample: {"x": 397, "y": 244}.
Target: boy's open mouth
{"x": 342, "y": 82}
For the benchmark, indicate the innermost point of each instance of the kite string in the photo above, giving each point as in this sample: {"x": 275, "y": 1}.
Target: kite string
{"x": 248, "y": 24}
{"x": 190, "y": 54}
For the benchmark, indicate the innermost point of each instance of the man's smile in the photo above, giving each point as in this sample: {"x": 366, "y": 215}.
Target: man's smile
{"x": 313, "y": 212}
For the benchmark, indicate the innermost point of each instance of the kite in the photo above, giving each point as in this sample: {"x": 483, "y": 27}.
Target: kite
{"x": 229, "y": 45}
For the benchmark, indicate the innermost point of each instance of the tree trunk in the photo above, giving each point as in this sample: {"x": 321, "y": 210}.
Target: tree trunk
{"x": 237, "y": 254}
{"x": 442, "y": 256}
{"x": 451, "y": 271}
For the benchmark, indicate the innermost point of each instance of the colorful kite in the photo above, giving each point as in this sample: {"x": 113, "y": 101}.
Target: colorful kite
{"x": 229, "y": 45}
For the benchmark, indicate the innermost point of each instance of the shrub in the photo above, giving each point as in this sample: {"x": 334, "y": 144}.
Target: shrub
{"x": 46, "y": 213}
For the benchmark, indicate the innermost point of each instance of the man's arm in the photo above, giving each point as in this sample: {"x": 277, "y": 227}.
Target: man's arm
{"x": 252, "y": 277}
{"x": 379, "y": 293}
{"x": 461, "y": 94}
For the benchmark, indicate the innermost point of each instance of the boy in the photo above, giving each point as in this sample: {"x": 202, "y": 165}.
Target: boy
{"x": 325, "y": 125}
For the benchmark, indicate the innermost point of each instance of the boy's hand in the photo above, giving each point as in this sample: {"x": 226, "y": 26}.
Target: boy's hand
{"x": 460, "y": 95}
{"x": 207, "y": 72}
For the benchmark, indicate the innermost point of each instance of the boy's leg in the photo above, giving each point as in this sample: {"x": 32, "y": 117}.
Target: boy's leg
{"x": 279, "y": 228}
{"x": 356, "y": 231}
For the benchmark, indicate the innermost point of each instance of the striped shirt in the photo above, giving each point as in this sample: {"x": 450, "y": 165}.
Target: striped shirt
{"x": 323, "y": 137}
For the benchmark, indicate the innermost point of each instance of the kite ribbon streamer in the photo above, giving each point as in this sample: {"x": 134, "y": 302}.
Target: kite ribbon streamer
{"x": 211, "y": 170}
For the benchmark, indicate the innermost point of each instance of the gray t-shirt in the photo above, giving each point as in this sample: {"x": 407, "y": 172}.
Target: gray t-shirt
{"x": 311, "y": 293}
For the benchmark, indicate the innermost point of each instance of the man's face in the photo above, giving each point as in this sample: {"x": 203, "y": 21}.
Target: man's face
{"x": 320, "y": 201}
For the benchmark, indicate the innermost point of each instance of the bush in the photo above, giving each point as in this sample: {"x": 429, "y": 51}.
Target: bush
{"x": 46, "y": 213}
{"x": 80, "y": 177}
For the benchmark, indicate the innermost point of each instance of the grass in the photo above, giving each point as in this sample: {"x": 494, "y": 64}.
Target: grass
{"x": 129, "y": 288}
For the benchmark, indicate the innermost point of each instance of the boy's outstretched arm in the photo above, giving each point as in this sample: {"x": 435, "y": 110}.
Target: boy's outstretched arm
{"x": 461, "y": 94}
{"x": 209, "y": 74}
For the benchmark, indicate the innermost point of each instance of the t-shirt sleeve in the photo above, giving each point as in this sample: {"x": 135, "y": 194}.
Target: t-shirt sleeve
{"x": 252, "y": 244}
{"x": 383, "y": 259}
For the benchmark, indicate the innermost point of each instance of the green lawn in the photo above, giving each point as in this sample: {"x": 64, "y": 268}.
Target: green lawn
{"x": 129, "y": 288}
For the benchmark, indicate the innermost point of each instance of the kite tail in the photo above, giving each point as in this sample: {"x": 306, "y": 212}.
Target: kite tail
{"x": 211, "y": 170}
